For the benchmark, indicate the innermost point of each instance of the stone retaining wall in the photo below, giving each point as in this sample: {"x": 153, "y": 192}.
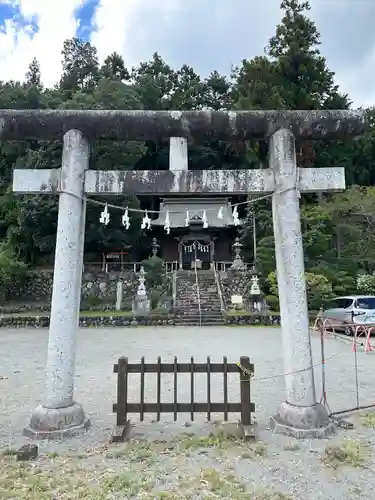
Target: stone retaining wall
{"x": 98, "y": 291}
{"x": 89, "y": 321}
{"x": 253, "y": 319}
{"x": 235, "y": 283}
{"x": 42, "y": 321}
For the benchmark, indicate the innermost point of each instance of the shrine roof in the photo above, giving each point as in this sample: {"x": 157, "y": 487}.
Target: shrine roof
{"x": 178, "y": 207}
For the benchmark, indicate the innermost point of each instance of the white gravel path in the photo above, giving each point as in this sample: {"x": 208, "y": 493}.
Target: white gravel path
{"x": 294, "y": 468}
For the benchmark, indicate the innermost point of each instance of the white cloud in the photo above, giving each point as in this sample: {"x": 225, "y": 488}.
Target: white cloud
{"x": 357, "y": 81}
{"x": 111, "y": 20}
{"x": 202, "y": 35}
{"x": 56, "y": 23}
{"x": 116, "y": 21}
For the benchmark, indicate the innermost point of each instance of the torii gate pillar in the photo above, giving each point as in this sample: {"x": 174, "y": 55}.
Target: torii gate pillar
{"x": 60, "y": 415}
{"x": 299, "y": 415}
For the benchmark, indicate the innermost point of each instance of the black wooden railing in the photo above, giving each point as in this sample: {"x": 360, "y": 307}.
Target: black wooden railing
{"x": 123, "y": 407}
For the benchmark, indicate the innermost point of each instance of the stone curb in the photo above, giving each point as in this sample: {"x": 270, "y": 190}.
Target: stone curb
{"x": 42, "y": 321}
{"x": 254, "y": 320}
{"x": 89, "y": 321}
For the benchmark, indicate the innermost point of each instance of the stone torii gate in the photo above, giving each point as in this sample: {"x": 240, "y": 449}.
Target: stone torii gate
{"x": 299, "y": 414}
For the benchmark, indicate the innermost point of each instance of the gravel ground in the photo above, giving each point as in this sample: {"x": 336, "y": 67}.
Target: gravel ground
{"x": 183, "y": 460}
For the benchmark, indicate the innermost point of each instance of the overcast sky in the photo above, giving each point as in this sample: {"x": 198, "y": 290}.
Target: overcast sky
{"x": 204, "y": 34}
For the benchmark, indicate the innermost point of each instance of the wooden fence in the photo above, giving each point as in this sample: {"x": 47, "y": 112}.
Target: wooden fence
{"x": 123, "y": 407}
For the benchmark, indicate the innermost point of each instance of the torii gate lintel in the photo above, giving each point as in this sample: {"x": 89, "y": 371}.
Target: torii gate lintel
{"x": 183, "y": 182}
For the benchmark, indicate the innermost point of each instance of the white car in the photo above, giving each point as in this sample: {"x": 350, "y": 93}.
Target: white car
{"x": 343, "y": 313}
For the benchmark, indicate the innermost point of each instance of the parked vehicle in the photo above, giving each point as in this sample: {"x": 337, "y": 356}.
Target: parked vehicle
{"x": 342, "y": 313}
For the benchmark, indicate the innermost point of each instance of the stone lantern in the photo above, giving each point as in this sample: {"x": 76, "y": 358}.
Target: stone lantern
{"x": 238, "y": 263}
{"x": 154, "y": 247}
{"x": 141, "y": 303}
{"x": 255, "y": 294}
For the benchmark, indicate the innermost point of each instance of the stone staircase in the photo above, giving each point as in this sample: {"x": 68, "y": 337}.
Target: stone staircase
{"x": 210, "y": 301}
{"x": 187, "y": 308}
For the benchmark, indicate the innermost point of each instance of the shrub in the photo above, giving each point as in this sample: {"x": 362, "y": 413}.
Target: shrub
{"x": 11, "y": 269}
{"x": 318, "y": 289}
{"x": 154, "y": 298}
{"x": 343, "y": 281}
{"x": 366, "y": 284}
{"x": 273, "y": 302}
{"x": 154, "y": 268}
{"x": 93, "y": 302}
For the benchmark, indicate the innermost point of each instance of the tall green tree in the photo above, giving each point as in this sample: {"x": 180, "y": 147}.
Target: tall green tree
{"x": 306, "y": 81}
{"x": 80, "y": 65}
{"x": 33, "y": 76}
{"x": 114, "y": 68}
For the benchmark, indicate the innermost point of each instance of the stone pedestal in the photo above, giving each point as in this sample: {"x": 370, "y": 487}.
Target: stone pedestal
{"x": 54, "y": 423}
{"x": 141, "y": 305}
{"x": 299, "y": 415}
{"x": 60, "y": 415}
{"x": 256, "y": 303}
{"x": 255, "y": 294}
{"x": 238, "y": 265}
{"x": 302, "y": 422}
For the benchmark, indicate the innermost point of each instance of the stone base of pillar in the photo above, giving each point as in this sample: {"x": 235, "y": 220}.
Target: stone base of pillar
{"x": 56, "y": 423}
{"x": 302, "y": 422}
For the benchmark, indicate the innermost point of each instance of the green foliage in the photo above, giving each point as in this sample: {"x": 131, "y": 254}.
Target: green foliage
{"x": 343, "y": 282}
{"x": 304, "y": 78}
{"x": 11, "y": 269}
{"x": 318, "y": 289}
{"x": 366, "y": 284}
{"x": 155, "y": 297}
{"x": 273, "y": 302}
{"x": 154, "y": 268}
{"x": 272, "y": 282}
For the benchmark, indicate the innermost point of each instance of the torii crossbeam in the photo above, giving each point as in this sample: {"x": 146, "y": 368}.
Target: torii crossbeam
{"x": 187, "y": 182}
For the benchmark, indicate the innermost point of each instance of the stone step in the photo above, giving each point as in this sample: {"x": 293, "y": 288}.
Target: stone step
{"x": 194, "y": 314}
{"x": 211, "y": 310}
{"x": 196, "y": 320}
{"x": 196, "y": 323}
{"x": 195, "y": 317}
{"x": 194, "y": 307}
{"x": 207, "y": 306}
{"x": 189, "y": 312}
{"x": 207, "y": 314}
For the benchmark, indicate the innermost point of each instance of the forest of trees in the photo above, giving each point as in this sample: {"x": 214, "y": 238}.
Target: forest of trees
{"x": 338, "y": 230}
